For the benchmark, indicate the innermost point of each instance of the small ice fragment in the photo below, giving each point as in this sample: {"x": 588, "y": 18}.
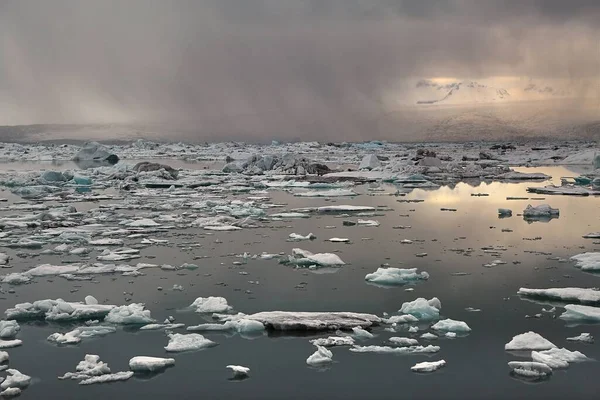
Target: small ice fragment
{"x": 15, "y": 379}
{"x": 403, "y": 341}
{"x": 558, "y": 358}
{"x": 239, "y": 371}
{"x": 583, "y": 337}
{"x": 333, "y": 341}
{"x": 360, "y": 333}
{"x": 9, "y": 329}
{"x": 428, "y": 336}
{"x": 504, "y": 212}
{"x": 395, "y": 276}
{"x": 3, "y": 356}
{"x": 422, "y": 309}
{"x": 10, "y": 392}
{"x": 320, "y": 357}
{"x": 396, "y": 350}
{"x": 296, "y": 237}
{"x": 530, "y": 369}
{"x": 130, "y": 314}
{"x": 451, "y": 325}
{"x": 529, "y": 341}
{"x": 119, "y": 376}
{"x": 451, "y": 335}
{"x": 428, "y": 366}
{"x": 150, "y": 364}
{"x": 90, "y": 300}
{"x": 211, "y": 305}
{"x": 185, "y": 342}
{"x": 7, "y": 344}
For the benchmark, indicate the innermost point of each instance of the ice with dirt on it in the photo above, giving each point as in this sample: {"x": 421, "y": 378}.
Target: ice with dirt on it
{"x": 543, "y": 210}
{"x": 577, "y": 312}
{"x": 150, "y": 364}
{"x": 15, "y": 379}
{"x": 320, "y": 357}
{"x": 332, "y": 341}
{"x": 587, "y": 261}
{"x": 131, "y": 314}
{"x": 118, "y": 376}
{"x": 570, "y": 294}
{"x": 296, "y": 237}
{"x": 312, "y": 321}
{"x": 305, "y": 257}
{"x": 583, "y": 338}
{"x": 186, "y": 342}
{"x": 529, "y": 369}
{"x": 211, "y": 305}
{"x": 403, "y": 341}
{"x": 558, "y": 358}
{"x": 396, "y": 350}
{"x": 9, "y": 329}
{"x": 451, "y": 325}
{"x": 239, "y": 371}
{"x": 360, "y": 333}
{"x": 395, "y": 276}
{"x": 428, "y": 366}
{"x": 529, "y": 341}
{"x": 422, "y": 309}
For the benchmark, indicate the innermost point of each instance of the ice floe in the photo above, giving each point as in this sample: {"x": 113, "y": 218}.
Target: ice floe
{"x": 9, "y": 329}
{"x": 332, "y": 341}
{"x": 395, "y": 276}
{"x": 179, "y": 342}
{"x": 306, "y": 258}
{"x": 396, "y": 350}
{"x": 531, "y": 370}
{"x": 320, "y": 357}
{"x": 583, "y": 338}
{"x": 578, "y": 295}
{"x": 577, "y": 312}
{"x": 311, "y": 321}
{"x": 558, "y": 358}
{"x": 131, "y": 314}
{"x": 587, "y": 261}
{"x": 150, "y": 364}
{"x": 403, "y": 341}
{"x": 529, "y": 341}
{"x": 451, "y": 325}
{"x": 428, "y": 366}
{"x": 422, "y": 309}
{"x": 15, "y": 379}
{"x": 211, "y": 305}
{"x": 239, "y": 371}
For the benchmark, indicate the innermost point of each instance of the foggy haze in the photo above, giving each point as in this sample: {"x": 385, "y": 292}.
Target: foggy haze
{"x": 301, "y": 69}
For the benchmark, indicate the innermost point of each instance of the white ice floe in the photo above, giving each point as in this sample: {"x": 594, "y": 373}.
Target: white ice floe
{"x": 404, "y": 341}
{"x": 368, "y": 222}
{"x": 344, "y": 208}
{"x": 395, "y": 276}
{"x": 428, "y": 366}
{"x": 239, "y": 371}
{"x": 577, "y": 312}
{"x": 130, "y": 314}
{"x": 332, "y": 341}
{"x": 327, "y": 193}
{"x": 4, "y": 356}
{"x": 528, "y": 369}
{"x": 106, "y": 242}
{"x": 422, "y": 309}
{"x": 222, "y": 228}
{"x": 587, "y": 261}
{"x": 320, "y": 357}
{"x": 211, "y": 305}
{"x": 151, "y": 327}
{"x": 396, "y": 350}
{"x": 360, "y": 333}
{"x": 185, "y": 342}
{"x": 592, "y": 235}
{"x": 429, "y": 336}
{"x": 305, "y": 257}
{"x": 118, "y": 376}
{"x": 558, "y": 358}
{"x": 401, "y": 319}
{"x": 7, "y": 344}
{"x": 9, "y": 329}
{"x": 58, "y": 310}
{"x": 10, "y": 392}
{"x": 75, "y": 336}
{"x": 564, "y": 294}
{"x": 338, "y": 240}
{"x": 298, "y": 237}
{"x": 529, "y": 341}
{"x": 241, "y": 326}
{"x": 90, "y": 366}
{"x": 4, "y": 258}
{"x": 583, "y": 338}
{"x": 143, "y": 223}
{"x": 15, "y": 379}
{"x": 286, "y": 215}
{"x": 451, "y": 325}
{"x": 150, "y": 364}
{"x": 312, "y": 321}
{"x": 543, "y": 210}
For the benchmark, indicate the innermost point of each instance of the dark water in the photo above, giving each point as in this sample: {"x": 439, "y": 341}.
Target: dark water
{"x": 476, "y": 365}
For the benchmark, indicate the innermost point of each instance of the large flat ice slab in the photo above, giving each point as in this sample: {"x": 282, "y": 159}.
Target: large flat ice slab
{"x": 587, "y": 261}
{"x": 570, "y": 294}
{"x": 313, "y": 321}
{"x": 577, "y": 312}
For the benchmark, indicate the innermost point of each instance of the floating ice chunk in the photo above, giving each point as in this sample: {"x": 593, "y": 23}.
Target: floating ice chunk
{"x": 576, "y": 312}
{"x": 320, "y": 357}
{"x": 344, "y": 208}
{"x": 360, "y": 333}
{"x": 592, "y": 235}
{"x": 106, "y": 242}
{"x": 451, "y": 325}
{"x": 143, "y": 223}
{"x": 90, "y": 300}
{"x": 428, "y": 366}
{"x": 338, "y": 240}
{"x": 305, "y": 257}
{"x": 8, "y": 329}
{"x": 4, "y": 258}
{"x": 7, "y": 344}
{"x": 185, "y": 342}
{"x": 90, "y": 366}
{"x": 401, "y": 319}
{"x": 313, "y": 321}
{"x": 133, "y": 313}
{"x": 429, "y": 336}
{"x": 151, "y": 327}
{"x": 4, "y": 356}
{"x": 543, "y": 210}
{"x": 242, "y": 326}
{"x": 333, "y": 341}
{"x": 531, "y": 370}
{"x": 396, "y": 350}
{"x": 96, "y": 153}
{"x": 451, "y": 335}
{"x": 369, "y": 161}
{"x": 15, "y": 379}
{"x": 77, "y": 334}
{"x": 71, "y": 337}
{"x": 584, "y": 338}
{"x": 558, "y": 358}
{"x": 150, "y": 364}
{"x": 10, "y": 392}
{"x": 403, "y": 341}
{"x": 504, "y": 212}
{"x": 119, "y": 376}
{"x": 222, "y": 228}
{"x": 290, "y": 215}
{"x": 395, "y": 276}
{"x": 239, "y": 371}
{"x": 529, "y": 341}
{"x": 327, "y": 193}
{"x": 211, "y": 305}
{"x": 299, "y": 237}
{"x": 587, "y": 261}
{"x": 413, "y": 329}
{"x": 367, "y": 222}
{"x": 57, "y": 310}
{"x": 564, "y": 294}
{"x": 422, "y": 309}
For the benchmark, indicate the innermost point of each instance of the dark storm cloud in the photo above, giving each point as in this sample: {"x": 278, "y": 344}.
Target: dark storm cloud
{"x": 286, "y": 67}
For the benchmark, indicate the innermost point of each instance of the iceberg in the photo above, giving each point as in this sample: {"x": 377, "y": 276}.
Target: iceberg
{"x": 570, "y": 294}
{"x": 395, "y": 276}
{"x": 576, "y": 312}
{"x": 211, "y": 305}
{"x": 558, "y": 358}
{"x": 428, "y": 366}
{"x": 150, "y": 364}
{"x": 422, "y": 309}
{"x": 396, "y": 350}
{"x": 130, "y": 314}
{"x": 531, "y": 370}
{"x": 587, "y": 261}
{"x": 529, "y": 341}
{"x": 90, "y": 366}
{"x": 186, "y": 342}
{"x": 320, "y": 357}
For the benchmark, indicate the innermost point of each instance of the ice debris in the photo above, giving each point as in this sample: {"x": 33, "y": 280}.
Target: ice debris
{"x": 9, "y": 329}
{"x": 583, "y": 338}
{"x": 333, "y": 341}
{"x": 306, "y": 258}
{"x": 130, "y": 314}
{"x": 360, "y": 333}
{"x": 312, "y": 321}
{"x": 298, "y": 237}
{"x": 541, "y": 211}
{"x": 15, "y": 379}
{"x": 396, "y": 350}
{"x": 451, "y": 325}
{"x": 558, "y": 358}
{"x": 403, "y": 341}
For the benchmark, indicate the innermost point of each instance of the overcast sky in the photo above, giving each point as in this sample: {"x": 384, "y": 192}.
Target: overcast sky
{"x": 274, "y": 63}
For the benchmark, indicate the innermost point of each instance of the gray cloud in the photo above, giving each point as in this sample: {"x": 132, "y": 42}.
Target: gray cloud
{"x": 295, "y": 68}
